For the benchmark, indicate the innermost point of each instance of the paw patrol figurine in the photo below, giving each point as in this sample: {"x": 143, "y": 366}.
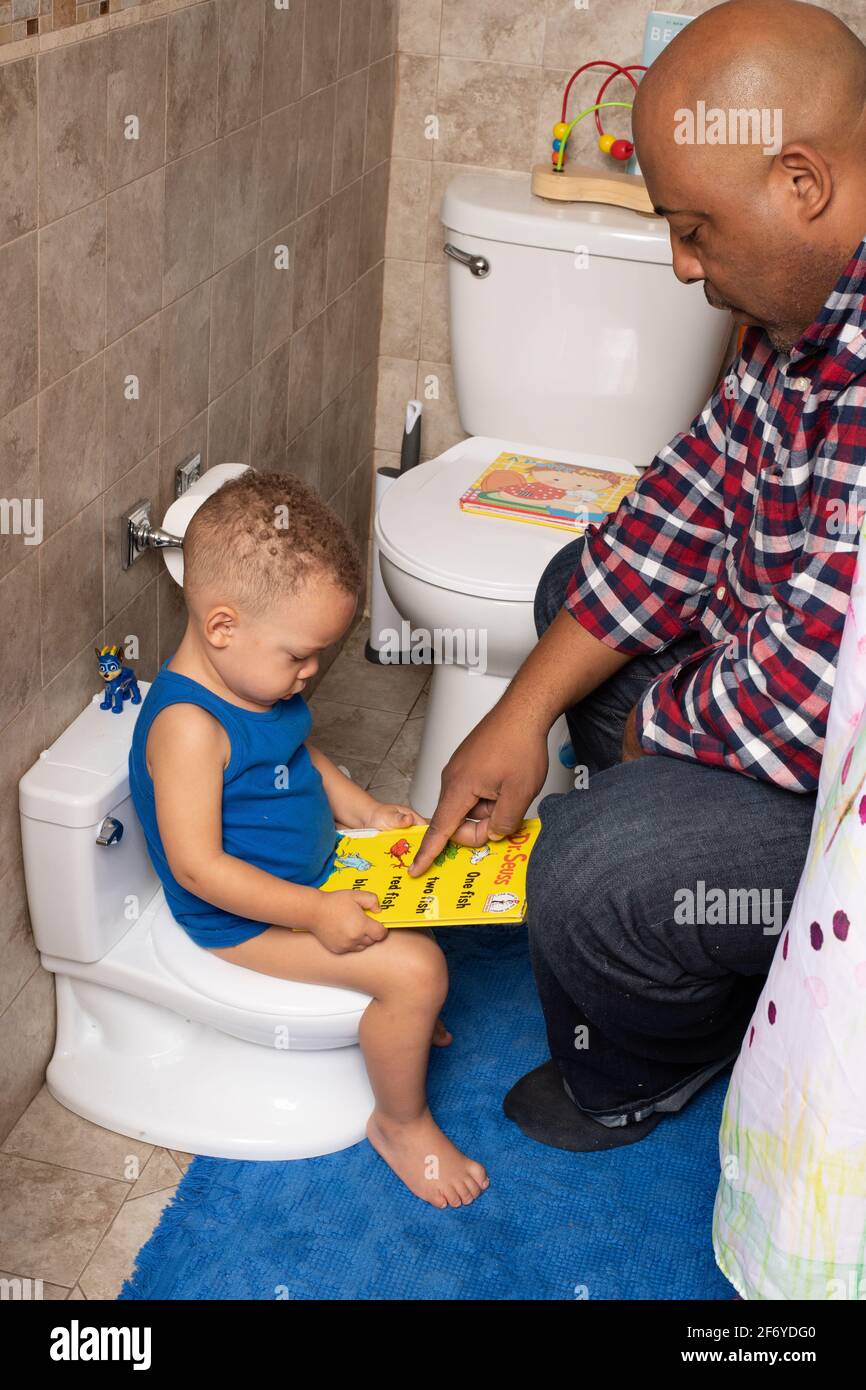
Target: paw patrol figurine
{"x": 120, "y": 682}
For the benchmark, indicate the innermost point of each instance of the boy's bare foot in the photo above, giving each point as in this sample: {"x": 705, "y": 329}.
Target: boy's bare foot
{"x": 441, "y": 1036}
{"x": 426, "y": 1161}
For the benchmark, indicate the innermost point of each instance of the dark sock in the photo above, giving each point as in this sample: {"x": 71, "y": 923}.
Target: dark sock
{"x": 540, "y": 1108}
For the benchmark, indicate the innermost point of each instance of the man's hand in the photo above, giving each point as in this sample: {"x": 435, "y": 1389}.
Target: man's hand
{"x": 492, "y": 777}
{"x": 631, "y": 749}
{"x": 502, "y": 764}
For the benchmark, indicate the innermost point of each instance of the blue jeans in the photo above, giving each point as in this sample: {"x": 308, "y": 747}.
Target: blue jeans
{"x": 643, "y": 998}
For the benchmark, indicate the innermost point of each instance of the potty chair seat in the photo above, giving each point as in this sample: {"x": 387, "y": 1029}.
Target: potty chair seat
{"x": 316, "y": 1015}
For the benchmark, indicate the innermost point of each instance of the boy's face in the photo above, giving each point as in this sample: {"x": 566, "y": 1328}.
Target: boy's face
{"x": 272, "y": 655}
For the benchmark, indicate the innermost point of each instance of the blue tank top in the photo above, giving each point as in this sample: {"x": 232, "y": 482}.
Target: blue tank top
{"x": 275, "y": 813}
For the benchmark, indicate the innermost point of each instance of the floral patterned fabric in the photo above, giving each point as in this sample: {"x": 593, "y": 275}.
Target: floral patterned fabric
{"x": 790, "y": 1214}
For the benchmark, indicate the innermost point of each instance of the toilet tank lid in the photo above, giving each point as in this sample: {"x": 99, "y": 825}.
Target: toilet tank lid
{"x": 500, "y": 206}
{"x": 85, "y": 773}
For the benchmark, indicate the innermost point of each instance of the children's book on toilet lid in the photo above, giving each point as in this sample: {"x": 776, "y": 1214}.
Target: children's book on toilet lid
{"x": 567, "y": 496}
{"x": 462, "y": 887}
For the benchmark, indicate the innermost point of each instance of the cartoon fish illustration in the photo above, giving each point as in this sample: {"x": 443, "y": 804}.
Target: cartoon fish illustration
{"x": 352, "y": 861}
{"x": 398, "y": 849}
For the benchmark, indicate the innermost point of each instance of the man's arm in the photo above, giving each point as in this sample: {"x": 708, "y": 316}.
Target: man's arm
{"x": 641, "y": 576}
{"x": 644, "y": 573}
{"x": 501, "y": 766}
{"x": 759, "y": 702}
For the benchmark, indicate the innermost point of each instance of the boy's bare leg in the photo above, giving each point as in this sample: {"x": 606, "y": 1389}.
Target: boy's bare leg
{"x": 408, "y": 979}
{"x": 441, "y": 1036}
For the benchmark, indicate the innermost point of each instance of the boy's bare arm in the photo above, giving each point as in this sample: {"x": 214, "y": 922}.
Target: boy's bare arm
{"x": 186, "y": 756}
{"x": 350, "y": 804}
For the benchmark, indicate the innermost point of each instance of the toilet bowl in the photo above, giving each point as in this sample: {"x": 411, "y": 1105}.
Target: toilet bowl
{"x": 156, "y": 1037}
{"x": 571, "y": 340}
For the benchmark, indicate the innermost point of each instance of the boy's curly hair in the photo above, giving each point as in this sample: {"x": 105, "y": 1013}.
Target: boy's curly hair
{"x": 261, "y": 536}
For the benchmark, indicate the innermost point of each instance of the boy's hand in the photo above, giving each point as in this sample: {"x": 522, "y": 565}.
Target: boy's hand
{"x": 342, "y": 923}
{"x": 391, "y": 817}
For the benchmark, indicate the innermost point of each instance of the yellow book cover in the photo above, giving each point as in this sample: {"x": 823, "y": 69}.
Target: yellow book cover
{"x": 462, "y": 887}
{"x": 568, "y": 496}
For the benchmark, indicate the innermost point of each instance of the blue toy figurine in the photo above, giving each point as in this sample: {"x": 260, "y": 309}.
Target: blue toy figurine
{"x": 120, "y": 682}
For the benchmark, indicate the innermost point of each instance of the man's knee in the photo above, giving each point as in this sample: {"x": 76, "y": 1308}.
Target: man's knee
{"x": 566, "y": 875}
{"x": 595, "y": 884}
{"x": 552, "y": 586}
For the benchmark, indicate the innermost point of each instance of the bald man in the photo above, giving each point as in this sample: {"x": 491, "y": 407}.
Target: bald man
{"x": 691, "y": 640}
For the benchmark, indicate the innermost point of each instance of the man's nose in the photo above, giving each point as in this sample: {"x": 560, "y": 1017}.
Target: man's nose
{"x": 687, "y": 267}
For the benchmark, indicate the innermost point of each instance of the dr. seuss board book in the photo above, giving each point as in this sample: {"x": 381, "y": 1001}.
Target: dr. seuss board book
{"x": 567, "y": 496}
{"x": 462, "y": 887}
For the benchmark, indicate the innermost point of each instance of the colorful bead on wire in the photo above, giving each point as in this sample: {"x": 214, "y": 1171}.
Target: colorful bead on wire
{"x": 618, "y": 149}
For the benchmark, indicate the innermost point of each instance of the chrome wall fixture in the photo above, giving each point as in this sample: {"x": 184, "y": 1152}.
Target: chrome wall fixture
{"x": 137, "y": 533}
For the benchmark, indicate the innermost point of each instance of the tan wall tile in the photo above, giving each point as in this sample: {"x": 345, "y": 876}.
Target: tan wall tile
{"x": 191, "y": 79}
{"x": 240, "y": 64}
{"x": 259, "y": 128}
{"x": 72, "y": 127}
{"x": 19, "y": 348}
{"x": 18, "y": 151}
{"x": 136, "y": 88}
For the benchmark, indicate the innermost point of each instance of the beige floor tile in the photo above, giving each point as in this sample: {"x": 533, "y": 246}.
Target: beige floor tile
{"x": 77, "y": 1295}
{"x": 419, "y": 709}
{"x": 355, "y": 644}
{"x": 403, "y": 752}
{"x": 359, "y": 769}
{"x": 182, "y": 1160}
{"x": 388, "y": 783}
{"x": 345, "y": 732}
{"x": 114, "y": 1258}
{"x": 49, "y": 1133}
{"x": 53, "y": 1218}
{"x": 352, "y": 680}
{"x": 394, "y": 793}
{"x": 159, "y": 1172}
{"x": 31, "y": 1290}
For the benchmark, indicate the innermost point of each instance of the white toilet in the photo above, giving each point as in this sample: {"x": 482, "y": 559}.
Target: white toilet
{"x": 572, "y": 339}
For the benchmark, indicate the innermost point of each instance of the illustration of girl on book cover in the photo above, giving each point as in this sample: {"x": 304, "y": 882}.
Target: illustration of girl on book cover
{"x": 559, "y": 490}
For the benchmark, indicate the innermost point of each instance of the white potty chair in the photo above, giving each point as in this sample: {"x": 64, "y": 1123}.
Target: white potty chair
{"x": 156, "y": 1037}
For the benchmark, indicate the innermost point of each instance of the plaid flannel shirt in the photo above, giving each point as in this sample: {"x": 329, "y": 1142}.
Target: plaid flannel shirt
{"x": 745, "y": 529}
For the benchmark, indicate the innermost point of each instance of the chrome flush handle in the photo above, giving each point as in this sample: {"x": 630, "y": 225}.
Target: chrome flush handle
{"x": 478, "y": 265}
{"x": 110, "y": 832}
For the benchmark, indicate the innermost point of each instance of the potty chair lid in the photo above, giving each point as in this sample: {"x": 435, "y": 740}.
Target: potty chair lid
{"x": 421, "y": 529}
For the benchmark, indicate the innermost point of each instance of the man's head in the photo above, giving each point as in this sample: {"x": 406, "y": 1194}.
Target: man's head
{"x": 768, "y": 233}
{"x": 271, "y": 577}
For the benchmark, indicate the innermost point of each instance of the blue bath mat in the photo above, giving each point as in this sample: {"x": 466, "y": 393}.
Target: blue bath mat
{"x": 633, "y": 1223}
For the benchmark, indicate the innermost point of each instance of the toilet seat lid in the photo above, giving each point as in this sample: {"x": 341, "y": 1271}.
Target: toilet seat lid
{"x": 240, "y": 988}
{"x": 421, "y": 529}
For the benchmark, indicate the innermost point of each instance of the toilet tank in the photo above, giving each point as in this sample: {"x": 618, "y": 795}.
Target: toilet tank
{"x": 580, "y": 336}
{"x": 84, "y": 896}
